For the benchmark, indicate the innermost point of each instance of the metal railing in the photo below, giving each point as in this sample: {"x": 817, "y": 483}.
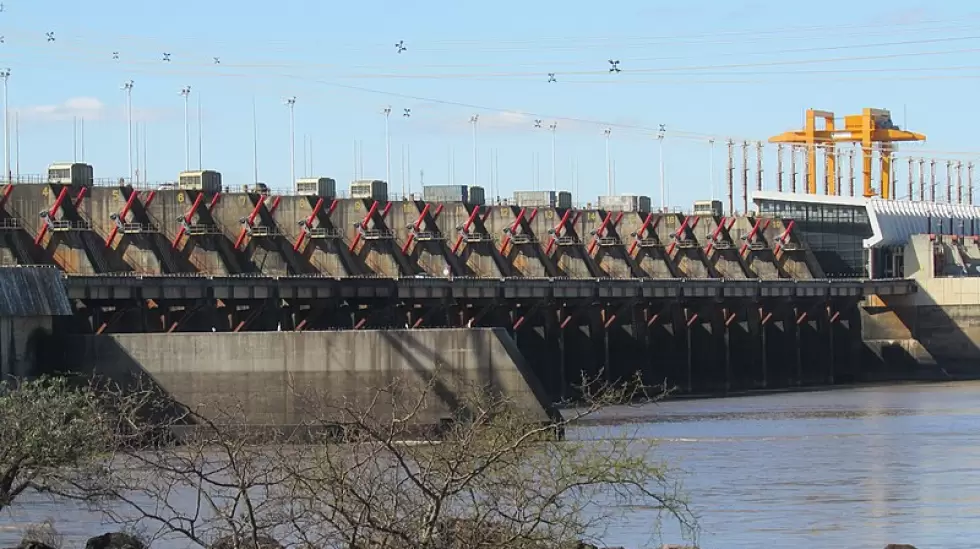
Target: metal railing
{"x": 201, "y": 229}
{"x": 139, "y": 228}
{"x": 62, "y": 225}
{"x": 323, "y": 232}
{"x": 166, "y": 185}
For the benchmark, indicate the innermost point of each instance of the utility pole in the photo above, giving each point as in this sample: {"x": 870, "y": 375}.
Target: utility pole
{"x": 5, "y": 74}
{"x": 731, "y": 177}
{"x": 554, "y": 165}
{"x": 969, "y": 183}
{"x": 711, "y": 166}
{"x": 745, "y": 177}
{"x": 185, "y": 92}
{"x": 959, "y": 182}
{"x": 922, "y": 180}
{"x": 911, "y": 178}
{"x": 255, "y": 144}
{"x": 291, "y": 103}
{"x": 792, "y": 169}
{"x": 17, "y": 143}
{"x": 663, "y": 183}
{"x": 932, "y": 180}
{"x": 850, "y": 171}
{"x": 128, "y": 86}
{"x": 949, "y": 181}
{"x": 758, "y": 165}
{"x": 779, "y": 167}
{"x": 609, "y": 183}
{"x": 200, "y": 135}
{"x": 387, "y": 112}
{"x": 473, "y": 120}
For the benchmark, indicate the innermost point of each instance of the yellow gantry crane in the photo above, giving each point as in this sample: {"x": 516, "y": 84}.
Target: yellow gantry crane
{"x": 870, "y": 128}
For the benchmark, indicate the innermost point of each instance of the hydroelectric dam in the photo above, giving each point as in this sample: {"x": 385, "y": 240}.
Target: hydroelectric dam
{"x": 216, "y": 291}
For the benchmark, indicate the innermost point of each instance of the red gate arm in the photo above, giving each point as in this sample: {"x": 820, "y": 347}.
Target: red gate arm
{"x": 781, "y": 240}
{"x": 558, "y": 228}
{"x": 466, "y": 227}
{"x": 7, "y": 189}
{"x": 415, "y": 227}
{"x": 250, "y": 221}
{"x": 599, "y": 231}
{"x": 81, "y": 196}
{"x": 364, "y": 222}
{"x": 51, "y": 213}
{"x": 309, "y": 221}
{"x": 640, "y": 233}
{"x": 513, "y": 227}
{"x": 275, "y": 205}
{"x": 122, "y": 217}
{"x": 187, "y": 219}
{"x": 714, "y": 235}
{"x": 677, "y": 235}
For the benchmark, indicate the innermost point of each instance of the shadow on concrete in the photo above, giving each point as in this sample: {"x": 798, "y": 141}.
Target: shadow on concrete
{"x": 921, "y": 340}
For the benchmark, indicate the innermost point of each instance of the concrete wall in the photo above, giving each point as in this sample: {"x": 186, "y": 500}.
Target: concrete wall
{"x": 271, "y": 374}
{"x": 158, "y": 250}
{"x": 937, "y": 327}
{"x": 21, "y": 340}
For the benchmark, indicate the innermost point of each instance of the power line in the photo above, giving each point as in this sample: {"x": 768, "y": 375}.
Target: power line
{"x": 582, "y": 45}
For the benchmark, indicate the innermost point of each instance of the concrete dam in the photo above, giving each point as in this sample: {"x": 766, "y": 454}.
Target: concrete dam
{"x": 707, "y": 303}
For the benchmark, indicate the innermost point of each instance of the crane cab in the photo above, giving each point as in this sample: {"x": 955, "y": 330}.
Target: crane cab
{"x": 71, "y": 173}
{"x": 708, "y": 208}
{"x": 208, "y": 181}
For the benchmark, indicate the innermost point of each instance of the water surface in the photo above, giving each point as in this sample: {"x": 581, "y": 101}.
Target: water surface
{"x": 849, "y": 468}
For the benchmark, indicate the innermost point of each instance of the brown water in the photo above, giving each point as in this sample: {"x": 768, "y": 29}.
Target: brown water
{"x": 842, "y": 469}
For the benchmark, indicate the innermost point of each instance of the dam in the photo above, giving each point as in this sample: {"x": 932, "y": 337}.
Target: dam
{"x": 709, "y": 303}
{"x": 803, "y": 290}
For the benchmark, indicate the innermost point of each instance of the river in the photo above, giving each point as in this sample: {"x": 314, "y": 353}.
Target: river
{"x": 847, "y": 468}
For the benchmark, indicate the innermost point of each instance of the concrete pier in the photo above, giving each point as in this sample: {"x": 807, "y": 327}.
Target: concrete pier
{"x": 271, "y": 378}
{"x": 698, "y": 335}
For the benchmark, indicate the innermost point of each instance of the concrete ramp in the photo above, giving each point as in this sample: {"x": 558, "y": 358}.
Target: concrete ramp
{"x": 270, "y": 375}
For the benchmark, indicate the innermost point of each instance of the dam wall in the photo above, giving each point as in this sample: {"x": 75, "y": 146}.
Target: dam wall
{"x": 935, "y": 330}
{"x": 271, "y": 378}
{"x": 126, "y": 229}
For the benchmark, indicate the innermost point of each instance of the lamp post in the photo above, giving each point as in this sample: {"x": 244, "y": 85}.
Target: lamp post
{"x": 473, "y": 120}
{"x": 291, "y": 103}
{"x": 554, "y": 167}
{"x": 609, "y": 184}
{"x": 185, "y": 92}
{"x": 5, "y": 74}
{"x": 387, "y": 113}
{"x": 663, "y": 184}
{"x": 128, "y": 87}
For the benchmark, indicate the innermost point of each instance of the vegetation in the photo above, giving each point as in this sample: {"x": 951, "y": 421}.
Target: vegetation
{"x": 52, "y": 430}
{"x": 353, "y": 475}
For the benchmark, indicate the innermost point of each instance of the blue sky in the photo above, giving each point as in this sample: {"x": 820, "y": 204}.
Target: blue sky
{"x": 742, "y": 69}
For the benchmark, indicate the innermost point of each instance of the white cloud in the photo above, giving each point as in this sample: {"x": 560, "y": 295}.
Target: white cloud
{"x": 506, "y": 120}
{"x": 88, "y": 108}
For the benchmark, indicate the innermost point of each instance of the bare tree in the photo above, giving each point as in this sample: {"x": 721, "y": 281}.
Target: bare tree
{"x": 215, "y": 484}
{"x": 374, "y": 473}
{"x": 495, "y": 477}
{"x": 55, "y": 430}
